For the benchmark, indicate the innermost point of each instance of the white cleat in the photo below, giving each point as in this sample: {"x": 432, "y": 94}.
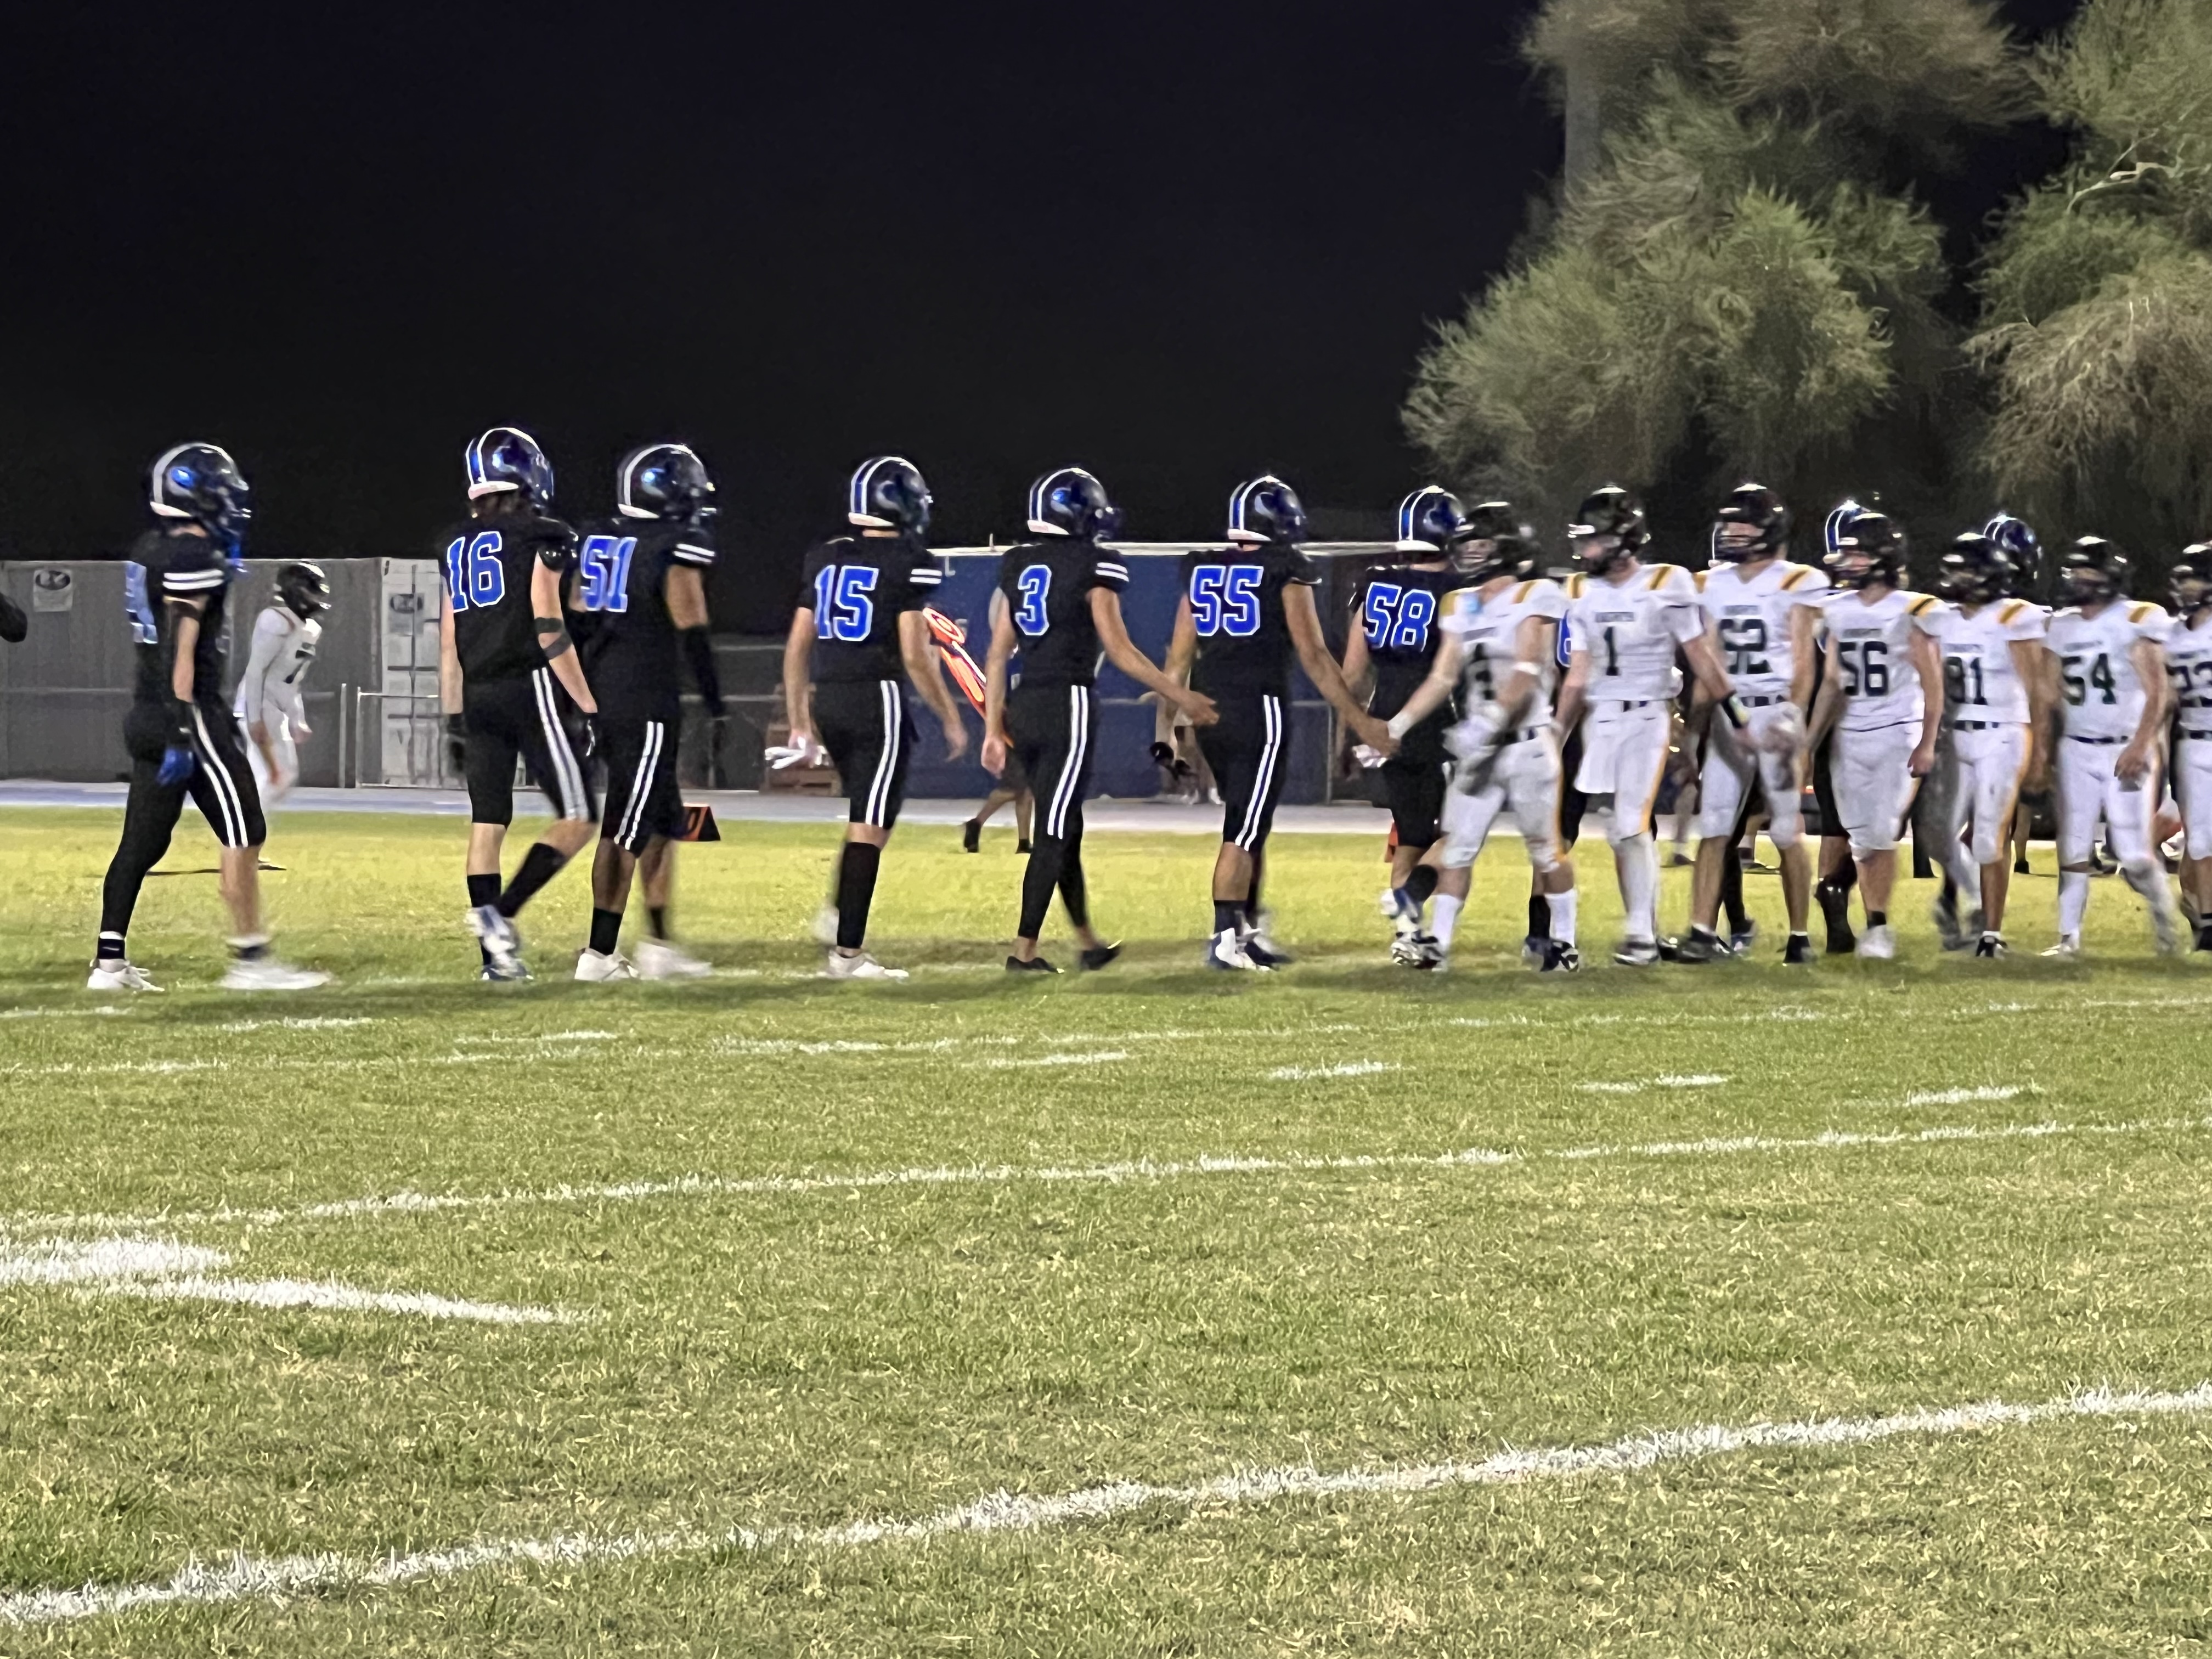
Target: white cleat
{"x": 1389, "y": 904}
{"x": 2164, "y": 930}
{"x": 1224, "y": 950}
{"x": 658, "y": 959}
{"x": 1878, "y": 944}
{"x": 859, "y": 965}
{"x": 825, "y": 924}
{"x": 117, "y": 975}
{"x": 267, "y": 973}
{"x": 1636, "y": 953}
{"x": 500, "y": 940}
{"x": 2068, "y": 948}
{"x": 592, "y": 968}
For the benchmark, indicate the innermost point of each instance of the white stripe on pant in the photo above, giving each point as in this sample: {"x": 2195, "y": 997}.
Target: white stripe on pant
{"x": 649, "y": 758}
{"x": 1078, "y": 746}
{"x": 232, "y": 831}
{"x": 567, "y": 776}
{"x": 1270, "y": 715}
{"x": 879, "y": 788}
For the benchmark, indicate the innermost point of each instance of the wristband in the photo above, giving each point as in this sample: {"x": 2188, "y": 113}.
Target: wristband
{"x": 1734, "y": 710}
{"x": 1398, "y": 726}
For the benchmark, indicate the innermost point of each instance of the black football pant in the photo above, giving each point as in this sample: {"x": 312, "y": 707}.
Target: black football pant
{"x": 222, "y": 786}
{"x": 1054, "y": 730}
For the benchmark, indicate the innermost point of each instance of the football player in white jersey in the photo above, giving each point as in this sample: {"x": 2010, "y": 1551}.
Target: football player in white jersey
{"x": 1997, "y": 694}
{"x": 2189, "y": 663}
{"x": 1883, "y": 690}
{"x": 1761, "y": 610}
{"x": 1500, "y": 638}
{"x": 285, "y": 636}
{"x": 1625, "y": 620}
{"x": 2111, "y": 706}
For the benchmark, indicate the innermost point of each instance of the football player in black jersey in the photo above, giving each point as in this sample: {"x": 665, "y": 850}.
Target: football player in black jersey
{"x": 858, "y": 624}
{"x": 508, "y": 677}
{"x": 1062, "y": 608}
{"x": 1246, "y": 611}
{"x": 182, "y": 738}
{"x": 1394, "y": 636}
{"x": 641, "y": 579}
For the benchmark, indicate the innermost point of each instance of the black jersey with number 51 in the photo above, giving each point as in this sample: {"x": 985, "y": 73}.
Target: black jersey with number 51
{"x": 487, "y": 564}
{"x": 633, "y": 661}
{"x": 1048, "y": 586}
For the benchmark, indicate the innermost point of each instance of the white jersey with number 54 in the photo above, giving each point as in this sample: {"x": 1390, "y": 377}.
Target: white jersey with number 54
{"x": 1873, "y": 654}
{"x": 2100, "y": 693}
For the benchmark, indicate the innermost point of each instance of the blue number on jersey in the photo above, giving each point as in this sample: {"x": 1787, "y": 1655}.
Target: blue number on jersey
{"x": 145, "y": 628}
{"x": 1397, "y": 618}
{"x": 474, "y": 576}
{"x": 1029, "y": 615}
{"x": 844, "y": 603}
{"x": 1225, "y": 600}
{"x": 605, "y": 566}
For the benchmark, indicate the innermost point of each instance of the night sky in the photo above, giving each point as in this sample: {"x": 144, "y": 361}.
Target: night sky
{"x": 1176, "y": 243}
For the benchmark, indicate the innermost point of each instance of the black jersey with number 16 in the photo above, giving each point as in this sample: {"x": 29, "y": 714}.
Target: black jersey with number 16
{"x": 633, "y": 662}
{"x": 858, "y": 587}
{"x": 1048, "y": 586}
{"x": 488, "y": 564}
{"x": 1236, "y": 596}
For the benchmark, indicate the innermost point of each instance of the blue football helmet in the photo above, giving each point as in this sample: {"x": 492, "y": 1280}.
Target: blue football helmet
{"x": 2017, "y": 540}
{"x": 1427, "y": 519}
{"x": 201, "y": 482}
{"x": 1266, "y": 510}
{"x": 1838, "y": 525}
{"x": 1073, "y": 502}
{"x": 507, "y": 458}
{"x": 888, "y": 492}
{"x": 664, "y": 481}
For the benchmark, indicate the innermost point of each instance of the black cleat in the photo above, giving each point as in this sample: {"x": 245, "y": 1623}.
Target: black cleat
{"x": 1990, "y": 947}
{"x": 1836, "y": 911}
{"x": 1798, "y": 953}
{"x": 1034, "y": 965}
{"x": 1560, "y": 958}
{"x": 2022, "y": 867}
{"x": 971, "y": 836}
{"x": 1091, "y": 960}
{"x": 2204, "y": 935}
{"x": 1702, "y": 946}
{"x": 1021, "y": 846}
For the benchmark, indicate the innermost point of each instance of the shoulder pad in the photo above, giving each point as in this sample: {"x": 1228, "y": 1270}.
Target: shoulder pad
{"x": 1521, "y": 593}
{"x": 1575, "y": 583}
{"x": 2138, "y": 613}
{"x": 1699, "y": 577}
{"x": 1919, "y": 604}
{"x": 1659, "y": 575}
{"x": 1799, "y": 574}
{"x": 2012, "y": 608}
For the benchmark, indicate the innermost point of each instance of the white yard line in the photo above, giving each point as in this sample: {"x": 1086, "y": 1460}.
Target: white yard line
{"x": 1702, "y": 1081}
{"x": 1134, "y": 1170}
{"x": 245, "y": 1578}
{"x": 77, "y": 1261}
{"x": 1109, "y": 1058}
{"x": 1963, "y": 1096}
{"x": 1313, "y": 1073}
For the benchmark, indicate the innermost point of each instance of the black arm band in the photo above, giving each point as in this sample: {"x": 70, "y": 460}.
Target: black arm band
{"x": 699, "y": 657}
{"x": 553, "y": 637}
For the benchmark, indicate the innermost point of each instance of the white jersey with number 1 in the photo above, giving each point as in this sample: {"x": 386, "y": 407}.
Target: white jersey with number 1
{"x": 1630, "y": 630}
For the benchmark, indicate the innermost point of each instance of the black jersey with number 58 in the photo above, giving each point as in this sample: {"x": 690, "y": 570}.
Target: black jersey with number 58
{"x": 1399, "y": 610}
{"x": 487, "y": 565}
{"x": 1048, "y": 586}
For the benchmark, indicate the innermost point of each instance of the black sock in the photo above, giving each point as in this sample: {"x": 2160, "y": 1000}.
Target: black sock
{"x": 110, "y": 948}
{"x": 482, "y": 890}
{"x": 1252, "y": 894}
{"x": 856, "y": 890}
{"x": 1422, "y": 883}
{"x": 1539, "y": 916}
{"x": 606, "y": 929}
{"x": 1039, "y": 879}
{"x": 1846, "y": 876}
{"x": 1074, "y": 891}
{"x": 539, "y": 866}
{"x": 1877, "y": 918}
{"x": 1739, "y": 920}
{"x": 656, "y": 919}
{"x": 1703, "y": 933}
{"x": 1227, "y": 915}
{"x": 250, "y": 949}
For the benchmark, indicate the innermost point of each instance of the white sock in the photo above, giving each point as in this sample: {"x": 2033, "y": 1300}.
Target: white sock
{"x": 1958, "y": 864}
{"x": 1639, "y": 885}
{"x": 2147, "y": 879}
{"x": 1563, "y": 914}
{"x": 2073, "y": 902}
{"x": 1446, "y": 921}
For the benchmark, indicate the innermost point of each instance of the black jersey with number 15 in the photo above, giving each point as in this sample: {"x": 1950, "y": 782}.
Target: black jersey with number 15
{"x": 1048, "y": 586}
{"x": 1236, "y": 596}
{"x": 858, "y": 587}
{"x": 635, "y": 663}
{"x": 487, "y": 564}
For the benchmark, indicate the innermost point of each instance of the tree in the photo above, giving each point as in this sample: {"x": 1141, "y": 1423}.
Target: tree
{"x": 2097, "y": 297}
{"x": 1742, "y": 285}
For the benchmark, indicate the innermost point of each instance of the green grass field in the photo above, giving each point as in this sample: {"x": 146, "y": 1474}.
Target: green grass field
{"x": 723, "y": 1273}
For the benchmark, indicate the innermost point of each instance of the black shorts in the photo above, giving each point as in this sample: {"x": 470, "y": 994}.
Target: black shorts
{"x": 1824, "y": 787}
{"x": 643, "y": 800}
{"x": 1573, "y": 802}
{"x": 1413, "y": 789}
{"x": 866, "y": 726}
{"x": 1247, "y": 749}
{"x": 1054, "y": 730}
{"x": 222, "y": 786}
{"x": 523, "y": 719}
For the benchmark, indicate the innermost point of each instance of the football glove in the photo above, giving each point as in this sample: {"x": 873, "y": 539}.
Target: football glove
{"x": 178, "y": 763}
{"x": 801, "y": 751}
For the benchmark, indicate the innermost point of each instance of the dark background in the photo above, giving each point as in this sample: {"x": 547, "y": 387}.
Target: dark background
{"x": 1176, "y": 243}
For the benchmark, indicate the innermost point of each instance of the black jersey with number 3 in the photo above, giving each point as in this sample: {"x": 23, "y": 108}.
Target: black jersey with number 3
{"x": 1399, "y": 609}
{"x": 488, "y": 564}
{"x": 633, "y": 661}
{"x": 1236, "y": 596}
{"x": 858, "y": 587}
{"x": 1048, "y": 586}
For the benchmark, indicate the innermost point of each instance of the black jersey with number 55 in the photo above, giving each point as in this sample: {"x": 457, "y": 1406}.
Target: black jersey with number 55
{"x": 487, "y": 564}
{"x": 633, "y": 661}
{"x": 1236, "y": 596}
{"x": 858, "y": 587}
{"x": 1048, "y": 586}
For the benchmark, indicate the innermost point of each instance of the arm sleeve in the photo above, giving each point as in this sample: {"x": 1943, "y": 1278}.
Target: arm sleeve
{"x": 253, "y": 691}
{"x": 695, "y": 547}
{"x": 2152, "y": 622}
{"x": 1109, "y": 570}
{"x": 1300, "y": 569}
{"x": 2032, "y": 623}
{"x": 556, "y": 543}
{"x": 1684, "y": 611}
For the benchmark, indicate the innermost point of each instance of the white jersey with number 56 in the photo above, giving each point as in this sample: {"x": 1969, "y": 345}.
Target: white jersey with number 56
{"x": 2099, "y": 692}
{"x": 1752, "y": 613}
{"x": 1630, "y": 630}
{"x": 1873, "y": 654}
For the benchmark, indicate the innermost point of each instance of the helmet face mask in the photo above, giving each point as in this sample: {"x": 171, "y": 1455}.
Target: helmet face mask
{"x": 664, "y": 481}
{"x": 200, "y": 483}
{"x": 2189, "y": 584}
{"x": 1608, "y": 532}
{"x": 1869, "y": 551}
{"x": 1266, "y": 510}
{"x": 507, "y": 460}
{"x": 1491, "y": 542}
{"x": 1976, "y": 571}
{"x": 1427, "y": 521}
{"x": 888, "y": 492}
{"x": 2094, "y": 572}
{"x": 1072, "y": 503}
{"x": 1753, "y": 524}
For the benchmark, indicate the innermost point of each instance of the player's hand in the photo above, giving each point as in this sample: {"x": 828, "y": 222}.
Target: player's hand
{"x": 799, "y": 748}
{"x": 1375, "y": 734}
{"x": 1198, "y": 706}
{"x": 457, "y": 753}
{"x": 590, "y": 746}
{"x": 178, "y": 763}
{"x": 2134, "y": 765}
{"x": 994, "y": 754}
{"x": 956, "y": 738}
{"x": 1923, "y": 761}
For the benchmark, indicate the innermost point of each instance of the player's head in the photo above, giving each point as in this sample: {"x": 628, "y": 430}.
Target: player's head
{"x": 1832, "y": 532}
{"x": 303, "y": 589}
{"x": 2189, "y": 584}
{"x": 888, "y": 492}
{"x": 1608, "y": 530}
{"x": 1265, "y": 510}
{"x": 1073, "y": 502}
{"x": 202, "y": 485}
{"x": 1871, "y": 550}
{"x": 1427, "y": 519}
{"x": 664, "y": 481}
{"x": 507, "y": 463}
{"x": 1752, "y": 524}
{"x": 2094, "y": 571}
{"x": 1491, "y": 542}
{"x": 2017, "y": 540}
{"x": 1975, "y": 570}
